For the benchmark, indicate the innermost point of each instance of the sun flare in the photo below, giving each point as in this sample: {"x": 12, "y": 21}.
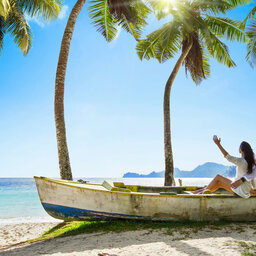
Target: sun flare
{"x": 168, "y": 3}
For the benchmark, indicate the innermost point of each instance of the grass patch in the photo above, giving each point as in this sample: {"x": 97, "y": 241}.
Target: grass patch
{"x": 249, "y": 249}
{"x": 87, "y": 227}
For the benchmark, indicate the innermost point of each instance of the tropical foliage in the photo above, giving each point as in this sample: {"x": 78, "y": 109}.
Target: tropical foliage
{"x": 196, "y": 29}
{"x": 13, "y": 19}
{"x": 251, "y": 33}
{"x": 109, "y": 16}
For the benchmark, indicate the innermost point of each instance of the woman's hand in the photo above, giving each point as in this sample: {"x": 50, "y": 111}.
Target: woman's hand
{"x": 216, "y": 139}
{"x": 236, "y": 184}
{"x": 217, "y": 142}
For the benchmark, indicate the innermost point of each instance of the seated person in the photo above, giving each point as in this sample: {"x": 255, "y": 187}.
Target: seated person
{"x": 245, "y": 172}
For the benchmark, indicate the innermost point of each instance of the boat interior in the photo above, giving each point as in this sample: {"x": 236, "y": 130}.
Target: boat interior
{"x": 121, "y": 187}
{"x": 163, "y": 190}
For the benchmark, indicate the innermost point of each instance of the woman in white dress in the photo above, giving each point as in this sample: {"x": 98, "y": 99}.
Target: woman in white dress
{"x": 245, "y": 172}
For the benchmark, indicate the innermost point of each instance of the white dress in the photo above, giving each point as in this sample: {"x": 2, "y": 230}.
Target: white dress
{"x": 244, "y": 189}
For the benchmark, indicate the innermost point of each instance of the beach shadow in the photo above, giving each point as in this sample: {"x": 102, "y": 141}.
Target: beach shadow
{"x": 84, "y": 243}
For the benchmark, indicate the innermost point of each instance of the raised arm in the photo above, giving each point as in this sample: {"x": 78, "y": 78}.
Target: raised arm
{"x": 238, "y": 161}
{"x": 217, "y": 142}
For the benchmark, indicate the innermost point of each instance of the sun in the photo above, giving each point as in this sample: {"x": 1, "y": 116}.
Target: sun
{"x": 168, "y": 3}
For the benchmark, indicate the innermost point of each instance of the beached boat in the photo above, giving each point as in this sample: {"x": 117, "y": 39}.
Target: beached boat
{"x": 70, "y": 200}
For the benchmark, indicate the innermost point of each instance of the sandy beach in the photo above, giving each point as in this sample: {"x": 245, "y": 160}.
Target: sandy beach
{"x": 223, "y": 240}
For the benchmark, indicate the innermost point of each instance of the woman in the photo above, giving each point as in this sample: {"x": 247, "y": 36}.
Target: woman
{"x": 245, "y": 173}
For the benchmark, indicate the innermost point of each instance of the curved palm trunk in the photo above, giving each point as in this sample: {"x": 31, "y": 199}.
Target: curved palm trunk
{"x": 64, "y": 163}
{"x": 169, "y": 166}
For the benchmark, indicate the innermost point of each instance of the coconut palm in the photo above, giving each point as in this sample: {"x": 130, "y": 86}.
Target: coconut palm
{"x": 13, "y": 19}
{"x": 196, "y": 31}
{"x": 108, "y": 16}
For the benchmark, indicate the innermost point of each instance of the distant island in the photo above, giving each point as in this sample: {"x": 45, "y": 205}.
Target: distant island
{"x": 207, "y": 170}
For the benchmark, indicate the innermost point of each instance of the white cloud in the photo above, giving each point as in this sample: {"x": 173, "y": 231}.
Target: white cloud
{"x": 38, "y": 21}
{"x": 63, "y": 12}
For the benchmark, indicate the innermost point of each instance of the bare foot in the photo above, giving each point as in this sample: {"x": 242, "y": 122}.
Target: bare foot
{"x": 205, "y": 191}
{"x": 199, "y": 190}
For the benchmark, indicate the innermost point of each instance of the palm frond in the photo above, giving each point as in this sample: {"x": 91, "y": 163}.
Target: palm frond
{"x": 132, "y": 10}
{"x": 105, "y": 23}
{"x": 250, "y": 15}
{"x": 2, "y": 32}
{"x": 162, "y": 44}
{"x": 251, "y": 46}
{"x": 206, "y": 63}
{"x": 216, "y": 48}
{"x": 232, "y": 30}
{"x": 136, "y": 27}
{"x": 47, "y": 9}
{"x": 130, "y": 28}
{"x": 17, "y": 25}
{"x": 212, "y": 6}
{"x": 5, "y": 8}
{"x": 236, "y": 3}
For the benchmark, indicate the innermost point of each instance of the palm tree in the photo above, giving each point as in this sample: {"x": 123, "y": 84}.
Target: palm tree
{"x": 196, "y": 31}
{"x": 108, "y": 16}
{"x": 13, "y": 20}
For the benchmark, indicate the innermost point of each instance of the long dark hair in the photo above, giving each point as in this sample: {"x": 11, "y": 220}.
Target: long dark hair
{"x": 248, "y": 155}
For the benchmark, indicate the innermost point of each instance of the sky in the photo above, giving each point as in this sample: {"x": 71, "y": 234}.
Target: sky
{"x": 113, "y": 105}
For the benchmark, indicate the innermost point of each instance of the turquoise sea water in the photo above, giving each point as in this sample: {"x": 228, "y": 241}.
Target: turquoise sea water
{"x": 19, "y": 201}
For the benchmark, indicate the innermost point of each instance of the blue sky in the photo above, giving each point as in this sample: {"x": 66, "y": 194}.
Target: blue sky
{"x": 113, "y": 105}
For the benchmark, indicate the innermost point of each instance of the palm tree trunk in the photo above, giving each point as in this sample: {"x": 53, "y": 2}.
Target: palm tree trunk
{"x": 64, "y": 163}
{"x": 169, "y": 166}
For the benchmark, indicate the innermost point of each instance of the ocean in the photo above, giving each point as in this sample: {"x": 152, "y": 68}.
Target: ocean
{"x": 19, "y": 201}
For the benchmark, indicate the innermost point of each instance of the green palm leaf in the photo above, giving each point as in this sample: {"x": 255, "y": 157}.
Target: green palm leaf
{"x": 227, "y": 28}
{"x": 251, "y": 46}
{"x": 136, "y": 27}
{"x": 162, "y": 44}
{"x": 250, "y": 15}
{"x": 47, "y": 9}
{"x": 216, "y": 48}
{"x": 102, "y": 19}
{"x": 18, "y": 27}
{"x": 213, "y": 6}
{"x": 130, "y": 28}
{"x": 236, "y": 3}
{"x": 206, "y": 63}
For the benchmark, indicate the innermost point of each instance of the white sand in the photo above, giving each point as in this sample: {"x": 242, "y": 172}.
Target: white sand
{"x": 206, "y": 241}
{"x": 16, "y": 233}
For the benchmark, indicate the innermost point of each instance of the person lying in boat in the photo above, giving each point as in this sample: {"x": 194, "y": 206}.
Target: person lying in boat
{"x": 245, "y": 172}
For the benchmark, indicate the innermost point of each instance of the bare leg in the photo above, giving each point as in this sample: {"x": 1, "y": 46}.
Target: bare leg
{"x": 252, "y": 191}
{"x": 218, "y": 182}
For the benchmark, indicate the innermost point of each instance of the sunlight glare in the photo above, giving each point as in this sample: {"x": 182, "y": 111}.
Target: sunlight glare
{"x": 172, "y": 2}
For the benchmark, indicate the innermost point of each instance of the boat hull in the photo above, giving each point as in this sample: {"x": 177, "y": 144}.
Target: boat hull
{"x": 74, "y": 201}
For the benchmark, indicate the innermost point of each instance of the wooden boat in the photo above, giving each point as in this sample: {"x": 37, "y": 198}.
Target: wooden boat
{"x": 70, "y": 200}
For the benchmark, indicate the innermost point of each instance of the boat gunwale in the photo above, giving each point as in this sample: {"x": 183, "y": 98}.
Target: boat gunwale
{"x": 65, "y": 183}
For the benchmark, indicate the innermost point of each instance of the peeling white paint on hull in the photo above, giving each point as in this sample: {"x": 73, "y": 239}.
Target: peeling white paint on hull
{"x": 75, "y": 201}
